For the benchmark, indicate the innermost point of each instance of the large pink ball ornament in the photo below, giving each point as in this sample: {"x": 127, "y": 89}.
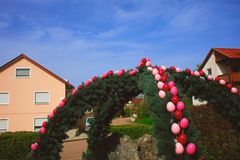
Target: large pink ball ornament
{"x": 148, "y": 63}
{"x": 191, "y": 148}
{"x": 184, "y": 123}
{"x": 42, "y": 130}
{"x": 171, "y": 84}
{"x": 170, "y": 107}
{"x": 160, "y": 85}
{"x": 74, "y": 91}
{"x": 149, "y": 68}
{"x": 34, "y": 146}
{"x": 154, "y": 71}
{"x": 222, "y": 82}
{"x": 162, "y": 94}
{"x": 180, "y": 105}
{"x": 234, "y": 90}
{"x": 179, "y": 149}
{"x": 174, "y": 90}
{"x": 178, "y": 70}
{"x": 196, "y": 73}
{"x": 51, "y": 115}
{"x": 61, "y": 104}
{"x": 157, "y": 77}
{"x": 164, "y": 68}
{"x": 210, "y": 77}
{"x": 175, "y": 128}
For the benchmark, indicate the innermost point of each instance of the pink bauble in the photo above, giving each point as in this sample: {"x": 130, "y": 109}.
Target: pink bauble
{"x": 234, "y": 90}
{"x": 157, "y": 77}
{"x": 34, "y": 146}
{"x": 196, "y": 73}
{"x": 133, "y": 72}
{"x": 164, "y": 68}
{"x": 210, "y": 77}
{"x": 184, "y": 123}
{"x": 148, "y": 63}
{"x": 51, "y": 115}
{"x": 61, "y": 104}
{"x": 87, "y": 83}
{"x": 42, "y": 130}
{"x": 171, "y": 84}
{"x": 160, "y": 85}
{"x": 179, "y": 149}
{"x": 191, "y": 148}
{"x": 170, "y": 107}
{"x": 178, "y": 70}
{"x": 192, "y": 73}
{"x": 222, "y": 82}
{"x": 105, "y": 75}
{"x": 174, "y": 90}
{"x": 175, "y": 128}
{"x": 180, "y": 105}
{"x": 154, "y": 71}
{"x": 149, "y": 68}
{"x": 162, "y": 94}
{"x": 74, "y": 91}
{"x": 120, "y": 73}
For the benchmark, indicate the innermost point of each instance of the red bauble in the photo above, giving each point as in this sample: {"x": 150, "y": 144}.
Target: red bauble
{"x": 217, "y": 79}
{"x": 144, "y": 60}
{"x": 94, "y": 78}
{"x": 229, "y": 86}
{"x": 182, "y": 138}
{"x": 44, "y": 124}
{"x": 175, "y": 99}
{"x": 178, "y": 114}
{"x": 188, "y": 71}
{"x": 201, "y": 72}
{"x": 110, "y": 73}
{"x": 161, "y": 71}
{"x": 80, "y": 86}
{"x": 173, "y": 68}
{"x": 163, "y": 78}
{"x": 54, "y": 111}
{"x": 165, "y": 87}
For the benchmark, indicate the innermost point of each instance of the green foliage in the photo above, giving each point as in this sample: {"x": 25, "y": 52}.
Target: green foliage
{"x": 127, "y": 112}
{"x": 145, "y": 120}
{"x": 143, "y": 110}
{"x": 16, "y": 145}
{"x": 133, "y": 131}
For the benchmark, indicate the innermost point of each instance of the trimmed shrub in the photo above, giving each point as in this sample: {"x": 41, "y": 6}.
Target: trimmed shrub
{"x": 16, "y": 145}
{"x": 133, "y": 131}
{"x": 145, "y": 121}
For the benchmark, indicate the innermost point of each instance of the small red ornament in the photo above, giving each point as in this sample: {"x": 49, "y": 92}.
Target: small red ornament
{"x": 94, "y": 78}
{"x": 201, "y": 72}
{"x": 163, "y": 78}
{"x": 173, "y": 68}
{"x": 161, "y": 71}
{"x": 217, "y": 79}
{"x": 144, "y": 60}
{"x": 175, "y": 99}
{"x": 229, "y": 86}
{"x": 188, "y": 71}
{"x": 110, "y": 73}
{"x": 178, "y": 114}
{"x": 80, "y": 86}
{"x": 165, "y": 87}
{"x": 44, "y": 124}
{"x": 54, "y": 111}
{"x": 182, "y": 138}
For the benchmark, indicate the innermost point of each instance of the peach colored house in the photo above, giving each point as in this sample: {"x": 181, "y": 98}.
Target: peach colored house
{"x": 28, "y": 93}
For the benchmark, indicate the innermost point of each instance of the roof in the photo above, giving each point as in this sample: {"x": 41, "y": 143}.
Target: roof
{"x": 23, "y": 56}
{"x": 232, "y": 53}
{"x": 137, "y": 100}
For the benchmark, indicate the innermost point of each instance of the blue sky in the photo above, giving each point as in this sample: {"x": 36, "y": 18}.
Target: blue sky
{"x": 77, "y": 39}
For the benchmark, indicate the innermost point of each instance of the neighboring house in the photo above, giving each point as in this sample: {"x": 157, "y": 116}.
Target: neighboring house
{"x": 224, "y": 63}
{"x": 28, "y": 93}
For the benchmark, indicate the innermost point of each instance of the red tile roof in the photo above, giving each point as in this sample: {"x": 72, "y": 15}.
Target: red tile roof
{"x": 232, "y": 53}
{"x": 23, "y": 56}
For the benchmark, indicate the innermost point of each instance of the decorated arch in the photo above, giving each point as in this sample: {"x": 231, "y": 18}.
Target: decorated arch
{"x": 164, "y": 88}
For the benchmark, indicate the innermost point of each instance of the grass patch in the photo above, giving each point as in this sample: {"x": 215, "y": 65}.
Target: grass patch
{"x": 145, "y": 121}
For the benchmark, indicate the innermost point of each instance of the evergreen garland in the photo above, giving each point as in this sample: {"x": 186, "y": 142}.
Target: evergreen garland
{"x": 108, "y": 94}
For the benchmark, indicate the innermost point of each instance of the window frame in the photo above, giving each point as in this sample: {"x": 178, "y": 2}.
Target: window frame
{"x": 5, "y": 104}
{"x": 41, "y": 124}
{"x": 7, "y": 129}
{"x": 23, "y": 76}
{"x": 209, "y": 69}
{"x": 41, "y": 103}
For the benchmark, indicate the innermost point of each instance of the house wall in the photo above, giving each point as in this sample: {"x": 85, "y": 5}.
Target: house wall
{"x": 22, "y": 109}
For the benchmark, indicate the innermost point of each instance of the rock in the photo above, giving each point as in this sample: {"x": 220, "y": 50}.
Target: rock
{"x": 143, "y": 148}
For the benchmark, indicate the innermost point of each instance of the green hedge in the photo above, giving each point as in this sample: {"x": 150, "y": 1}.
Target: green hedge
{"x": 16, "y": 145}
{"x": 133, "y": 131}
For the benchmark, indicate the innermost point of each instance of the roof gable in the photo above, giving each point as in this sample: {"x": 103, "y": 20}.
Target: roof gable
{"x": 23, "y": 56}
{"x": 232, "y": 53}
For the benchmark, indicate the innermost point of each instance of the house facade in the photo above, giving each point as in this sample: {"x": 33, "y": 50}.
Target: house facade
{"x": 28, "y": 93}
{"x": 224, "y": 63}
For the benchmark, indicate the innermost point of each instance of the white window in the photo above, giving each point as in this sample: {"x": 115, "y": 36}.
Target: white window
{"x": 41, "y": 98}
{"x": 38, "y": 123}
{"x": 3, "y": 125}
{"x": 4, "y": 98}
{"x": 22, "y": 72}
